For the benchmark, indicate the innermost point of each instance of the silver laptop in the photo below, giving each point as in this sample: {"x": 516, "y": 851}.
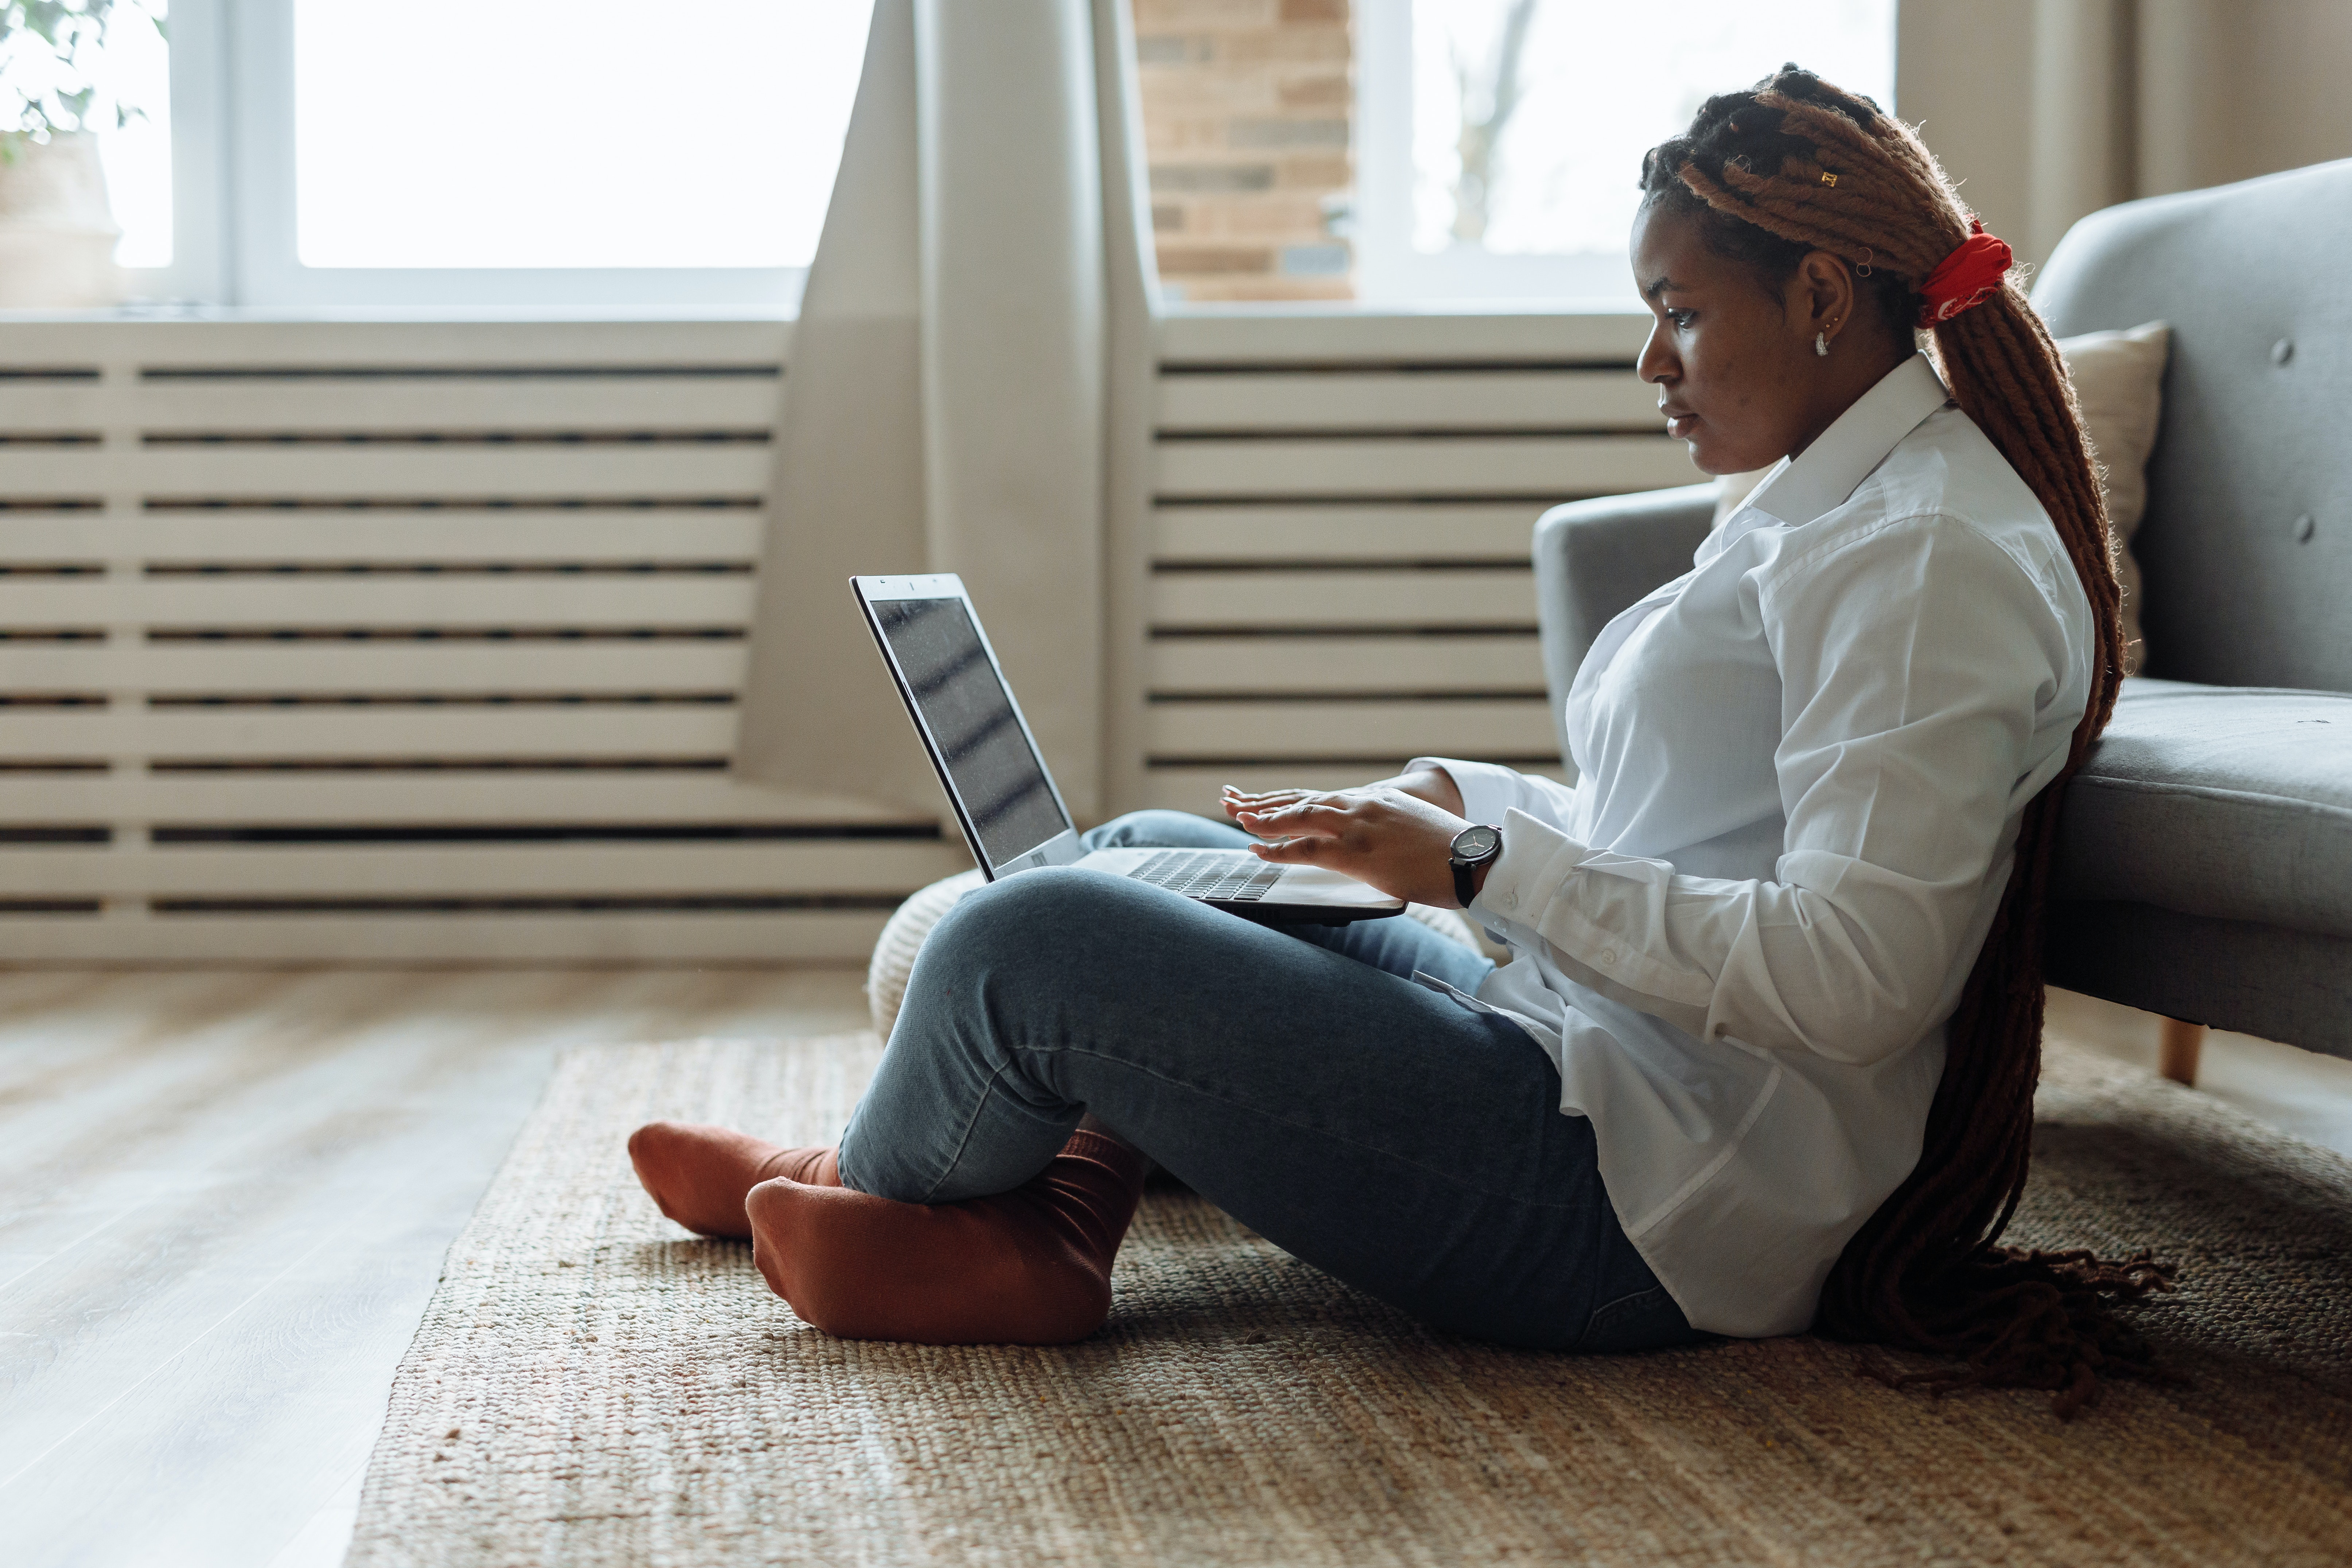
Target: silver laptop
{"x": 1005, "y": 801}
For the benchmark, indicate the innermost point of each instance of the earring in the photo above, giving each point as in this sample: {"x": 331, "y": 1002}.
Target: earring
{"x": 1822, "y": 344}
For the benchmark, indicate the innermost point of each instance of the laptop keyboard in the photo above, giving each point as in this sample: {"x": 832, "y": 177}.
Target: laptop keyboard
{"x": 1231, "y": 875}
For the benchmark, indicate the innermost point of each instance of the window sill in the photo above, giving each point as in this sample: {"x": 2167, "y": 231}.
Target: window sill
{"x": 1564, "y": 333}
{"x": 341, "y": 315}
{"x": 1567, "y": 335}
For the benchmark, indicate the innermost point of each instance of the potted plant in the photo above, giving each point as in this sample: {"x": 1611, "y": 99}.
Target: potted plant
{"x": 57, "y": 232}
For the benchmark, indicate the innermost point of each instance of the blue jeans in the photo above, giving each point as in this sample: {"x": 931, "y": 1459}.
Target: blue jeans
{"x": 1292, "y": 1075}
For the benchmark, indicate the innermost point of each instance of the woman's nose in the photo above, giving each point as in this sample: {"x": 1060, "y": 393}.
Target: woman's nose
{"x": 1657, "y": 362}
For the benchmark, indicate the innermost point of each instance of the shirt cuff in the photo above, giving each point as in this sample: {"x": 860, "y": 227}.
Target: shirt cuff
{"x": 1488, "y": 789}
{"x": 1537, "y": 859}
{"x": 1529, "y": 887}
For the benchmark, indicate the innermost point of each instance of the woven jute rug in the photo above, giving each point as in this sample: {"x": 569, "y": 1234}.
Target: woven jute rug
{"x": 590, "y": 1386}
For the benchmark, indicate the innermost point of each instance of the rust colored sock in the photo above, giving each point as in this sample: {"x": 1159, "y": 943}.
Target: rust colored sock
{"x": 699, "y": 1174}
{"x": 1031, "y": 1267}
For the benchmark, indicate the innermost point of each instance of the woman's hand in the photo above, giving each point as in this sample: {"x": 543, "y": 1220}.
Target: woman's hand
{"x": 1392, "y": 839}
{"x": 1434, "y": 786}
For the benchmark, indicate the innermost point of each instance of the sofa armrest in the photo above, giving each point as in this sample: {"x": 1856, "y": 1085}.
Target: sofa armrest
{"x": 1594, "y": 558}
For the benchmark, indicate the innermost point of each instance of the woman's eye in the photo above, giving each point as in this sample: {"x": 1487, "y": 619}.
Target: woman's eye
{"x": 1681, "y": 319}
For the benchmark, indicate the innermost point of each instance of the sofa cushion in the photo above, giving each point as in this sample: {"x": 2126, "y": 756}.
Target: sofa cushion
{"x": 2228, "y": 802}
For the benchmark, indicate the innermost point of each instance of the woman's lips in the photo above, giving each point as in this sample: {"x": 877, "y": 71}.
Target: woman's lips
{"x": 1680, "y": 425}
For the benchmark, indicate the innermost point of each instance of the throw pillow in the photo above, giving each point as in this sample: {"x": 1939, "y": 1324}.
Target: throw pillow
{"x": 2120, "y": 383}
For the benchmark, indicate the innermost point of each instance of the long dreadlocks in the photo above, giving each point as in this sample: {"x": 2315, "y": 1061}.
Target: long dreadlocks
{"x": 1796, "y": 165}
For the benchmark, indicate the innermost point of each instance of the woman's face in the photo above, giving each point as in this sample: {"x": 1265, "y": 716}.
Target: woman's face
{"x": 1732, "y": 358}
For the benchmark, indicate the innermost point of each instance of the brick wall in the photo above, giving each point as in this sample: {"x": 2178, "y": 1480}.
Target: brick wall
{"x": 1247, "y": 107}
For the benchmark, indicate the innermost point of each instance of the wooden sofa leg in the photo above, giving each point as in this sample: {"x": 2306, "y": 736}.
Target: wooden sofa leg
{"x": 2177, "y": 1044}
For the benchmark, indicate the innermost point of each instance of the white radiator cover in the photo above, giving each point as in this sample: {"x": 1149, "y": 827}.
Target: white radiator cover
{"x": 1341, "y": 527}
{"x": 401, "y": 642}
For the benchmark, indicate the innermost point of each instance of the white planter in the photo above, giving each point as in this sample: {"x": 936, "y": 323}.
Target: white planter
{"x": 57, "y": 232}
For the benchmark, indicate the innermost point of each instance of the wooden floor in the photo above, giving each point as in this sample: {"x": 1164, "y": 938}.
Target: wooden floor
{"x": 224, "y": 1201}
{"x": 225, "y": 1198}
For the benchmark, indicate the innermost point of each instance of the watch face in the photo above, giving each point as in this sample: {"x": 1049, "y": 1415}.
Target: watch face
{"x": 1477, "y": 842}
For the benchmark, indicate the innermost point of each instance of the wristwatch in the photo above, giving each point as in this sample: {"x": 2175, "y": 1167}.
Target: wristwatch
{"x": 1473, "y": 846}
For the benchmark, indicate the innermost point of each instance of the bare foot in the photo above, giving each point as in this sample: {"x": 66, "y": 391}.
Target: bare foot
{"x": 699, "y": 1174}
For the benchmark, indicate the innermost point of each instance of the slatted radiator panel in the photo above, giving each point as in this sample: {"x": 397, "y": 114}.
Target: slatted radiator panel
{"x": 1342, "y": 522}
{"x": 404, "y": 642}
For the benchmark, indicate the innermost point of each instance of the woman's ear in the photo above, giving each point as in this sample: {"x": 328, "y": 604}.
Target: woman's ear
{"x": 1823, "y": 295}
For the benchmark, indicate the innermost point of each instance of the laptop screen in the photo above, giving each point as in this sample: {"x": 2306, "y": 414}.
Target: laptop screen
{"x": 998, "y": 778}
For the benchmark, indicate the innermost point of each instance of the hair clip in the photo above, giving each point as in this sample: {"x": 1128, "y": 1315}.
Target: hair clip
{"x": 1829, "y": 179}
{"x": 1862, "y": 267}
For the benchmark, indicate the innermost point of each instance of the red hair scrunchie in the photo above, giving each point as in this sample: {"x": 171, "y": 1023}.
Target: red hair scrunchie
{"x": 1970, "y": 275}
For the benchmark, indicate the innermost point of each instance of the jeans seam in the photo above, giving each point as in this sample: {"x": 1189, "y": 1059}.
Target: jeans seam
{"x": 1609, "y": 1311}
{"x": 1448, "y": 1177}
{"x": 1627, "y": 1307}
{"x": 964, "y": 1142}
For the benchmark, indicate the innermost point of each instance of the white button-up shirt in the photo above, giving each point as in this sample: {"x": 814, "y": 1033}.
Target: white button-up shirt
{"x": 1802, "y": 767}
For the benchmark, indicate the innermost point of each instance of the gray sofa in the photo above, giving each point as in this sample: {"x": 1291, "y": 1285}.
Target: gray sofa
{"x": 2206, "y": 860}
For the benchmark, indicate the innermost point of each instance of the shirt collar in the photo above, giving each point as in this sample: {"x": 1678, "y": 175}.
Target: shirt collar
{"x": 1830, "y": 470}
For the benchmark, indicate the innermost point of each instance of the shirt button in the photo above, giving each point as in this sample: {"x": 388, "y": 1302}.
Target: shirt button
{"x": 1608, "y": 958}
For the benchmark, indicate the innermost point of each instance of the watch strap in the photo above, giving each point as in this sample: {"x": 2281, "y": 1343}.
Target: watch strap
{"x": 1465, "y": 889}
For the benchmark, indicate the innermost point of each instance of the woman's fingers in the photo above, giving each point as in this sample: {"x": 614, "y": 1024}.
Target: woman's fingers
{"x": 1284, "y": 797}
{"x": 1318, "y": 817}
{"x": 1235, "y": 802}
{"x": 1234, "y": 797}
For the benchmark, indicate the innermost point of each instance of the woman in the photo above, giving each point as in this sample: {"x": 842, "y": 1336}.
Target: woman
{"x": 1765, "y": 1049}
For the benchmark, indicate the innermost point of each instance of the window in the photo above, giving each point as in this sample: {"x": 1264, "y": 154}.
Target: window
{"x": 485, "y": 153}
{"x": 1502, "y": 139}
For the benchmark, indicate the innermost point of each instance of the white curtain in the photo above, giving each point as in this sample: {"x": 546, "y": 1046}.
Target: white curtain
{"x": 2131, "y": 98}
{"x": 967, "y": 391}
{"x": 2049, "y": 110}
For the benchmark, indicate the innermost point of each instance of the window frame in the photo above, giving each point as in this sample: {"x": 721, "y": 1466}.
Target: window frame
{"x": 233, "y": 193}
